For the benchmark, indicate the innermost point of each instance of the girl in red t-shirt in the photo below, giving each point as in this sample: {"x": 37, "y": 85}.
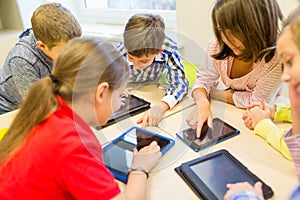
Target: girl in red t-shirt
{"x": 50, "y": 152}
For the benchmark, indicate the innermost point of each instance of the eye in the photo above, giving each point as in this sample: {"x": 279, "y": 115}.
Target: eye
{"x": 288, "y": 62}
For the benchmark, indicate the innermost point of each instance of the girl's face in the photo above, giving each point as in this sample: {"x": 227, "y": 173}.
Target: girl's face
{"x": 290, "y": 57}
{"x": 232, "y": 42}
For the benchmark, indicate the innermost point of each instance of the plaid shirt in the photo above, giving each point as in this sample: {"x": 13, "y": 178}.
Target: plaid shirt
{"x": 167, "y": 62}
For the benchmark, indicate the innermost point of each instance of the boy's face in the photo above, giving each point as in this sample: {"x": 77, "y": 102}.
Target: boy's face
{"x": 290, "y": 57}
{"x": 141, "y": 62}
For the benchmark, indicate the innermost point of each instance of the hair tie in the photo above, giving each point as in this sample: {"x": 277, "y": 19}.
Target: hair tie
{"x": 53, "y": 78}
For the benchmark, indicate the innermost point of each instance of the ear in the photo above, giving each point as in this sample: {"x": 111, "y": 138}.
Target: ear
{"x": 160, "y": 51}
{"x": 41, "y": 46}
{"x": 101, "y": 91}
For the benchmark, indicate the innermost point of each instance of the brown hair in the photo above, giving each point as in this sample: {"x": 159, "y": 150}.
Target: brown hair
{"x": 144, "y": 34}
{"x": 255, "y": 23}
{"x": 52, "y": 23}
{"x": 80, "y": 67}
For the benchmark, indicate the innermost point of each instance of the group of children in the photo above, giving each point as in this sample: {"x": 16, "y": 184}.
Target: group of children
{"x": 63, "y": 84}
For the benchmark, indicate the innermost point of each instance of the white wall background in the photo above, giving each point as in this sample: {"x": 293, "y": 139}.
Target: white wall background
{"x": 193, "y": 23}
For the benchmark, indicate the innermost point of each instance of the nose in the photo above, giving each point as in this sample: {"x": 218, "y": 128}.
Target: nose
{"x": 286, "y": 75}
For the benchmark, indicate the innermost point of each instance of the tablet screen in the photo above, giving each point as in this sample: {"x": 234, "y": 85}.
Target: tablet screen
{"x": 118, "y": 155}
{"x": 131, "y": 103}
{"x": 221, "y": 130}
{"x": 219, "y": 171}
{"x": 208, "y": 175}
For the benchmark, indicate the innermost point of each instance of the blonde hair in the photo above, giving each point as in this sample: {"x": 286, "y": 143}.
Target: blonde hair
{"x": 80, "y": 67}
{"x": 294, "y": 21}
{"x": 53, "y": 23}
{"x": 144, "y": 34}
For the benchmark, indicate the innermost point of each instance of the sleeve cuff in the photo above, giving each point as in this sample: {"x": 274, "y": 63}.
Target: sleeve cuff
{"x": 283, "y": 113}
{"x": 263, "y": 127}
{"x": 170, "y": 100}
{"x": 245, "y": 195}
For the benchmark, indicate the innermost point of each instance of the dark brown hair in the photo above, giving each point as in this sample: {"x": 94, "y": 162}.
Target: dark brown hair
{"x": 80, "y": 67}
{"x": 253, "y": 22}
{"x": 144, "y": 34}
{"x": 53, "y": 23}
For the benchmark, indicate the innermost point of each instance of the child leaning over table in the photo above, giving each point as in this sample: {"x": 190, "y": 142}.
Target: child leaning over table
{"x": 242, "y": 54}
{"x": 32, "y": 57}
{"x": 288, "y": 47}
{"x": 150, "y": 54}
{"x": 50, "y": 151}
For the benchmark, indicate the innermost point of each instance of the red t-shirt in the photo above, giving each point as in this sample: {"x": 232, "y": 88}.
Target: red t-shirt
{"x": 61, "y": 159}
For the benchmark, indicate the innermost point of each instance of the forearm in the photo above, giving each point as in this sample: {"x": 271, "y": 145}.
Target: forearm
{"x": 225, "y": 96}
{"x": 273, "y": 135}
{"x": 200, "y": 96}
{"x": 136, "y": 186}
{"x": 164, "y": 105}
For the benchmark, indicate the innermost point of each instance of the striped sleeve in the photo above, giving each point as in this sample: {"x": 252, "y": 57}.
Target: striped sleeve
{"x": 293, "y": 143}
{"x": 245, "y": 195}
{"x": 266, "y": 88}
{"x": 178, "y": 83}
{"x": 207, "y": 73}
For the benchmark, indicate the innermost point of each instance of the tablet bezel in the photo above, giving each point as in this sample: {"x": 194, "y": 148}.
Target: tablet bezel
{"x": 201, "y": 189}
{"x": 124, "y": 178}
{"x": 193, "y": 146}
{"x": 122, "y": 114}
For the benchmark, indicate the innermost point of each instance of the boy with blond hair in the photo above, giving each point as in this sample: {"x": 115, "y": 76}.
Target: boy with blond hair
{"x": 151, "y": 54}
{"x": 32, "y": 57}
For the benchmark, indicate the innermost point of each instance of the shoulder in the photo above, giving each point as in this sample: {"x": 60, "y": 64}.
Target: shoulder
{"x": 121, "y": 48}
{"x": 273, "y": 64}
{"x": 213, "y": 46}
{"x": 169, "y": 46}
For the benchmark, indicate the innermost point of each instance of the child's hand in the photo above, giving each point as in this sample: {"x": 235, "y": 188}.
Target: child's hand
{"x": 126, "y": 92}
{"x": 255, "y": 114}
{"x": 263, "y": 106}
{"x": 147, "y": 157}
{"x": 243, "y": 186}
{"x": 152, "y": 117}
{"x": 199, "y": 116}
{"x": 124, "y": 95}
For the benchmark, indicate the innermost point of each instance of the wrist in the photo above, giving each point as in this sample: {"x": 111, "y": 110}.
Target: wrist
{"x": 164, "y": 105}
{"x": 138, "y": 171}
{"x": 272, "y": 112}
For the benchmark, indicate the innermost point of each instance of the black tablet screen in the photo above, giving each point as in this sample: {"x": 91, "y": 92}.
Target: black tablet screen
{"x": 118, "y": 156}
{"x": 219, "y": 171}
{"x": 131, "y": 103}
{"x": 220, "y": 131}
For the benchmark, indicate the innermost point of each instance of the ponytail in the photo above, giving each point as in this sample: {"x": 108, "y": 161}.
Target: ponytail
{"x": 40, "y": 102}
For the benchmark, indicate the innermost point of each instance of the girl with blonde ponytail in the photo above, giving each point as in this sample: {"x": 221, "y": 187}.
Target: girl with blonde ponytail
{"x": 50, "y": 152}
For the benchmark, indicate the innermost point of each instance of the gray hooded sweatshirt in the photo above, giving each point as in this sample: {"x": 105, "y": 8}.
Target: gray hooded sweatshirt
{"x": 24, "y": 64}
